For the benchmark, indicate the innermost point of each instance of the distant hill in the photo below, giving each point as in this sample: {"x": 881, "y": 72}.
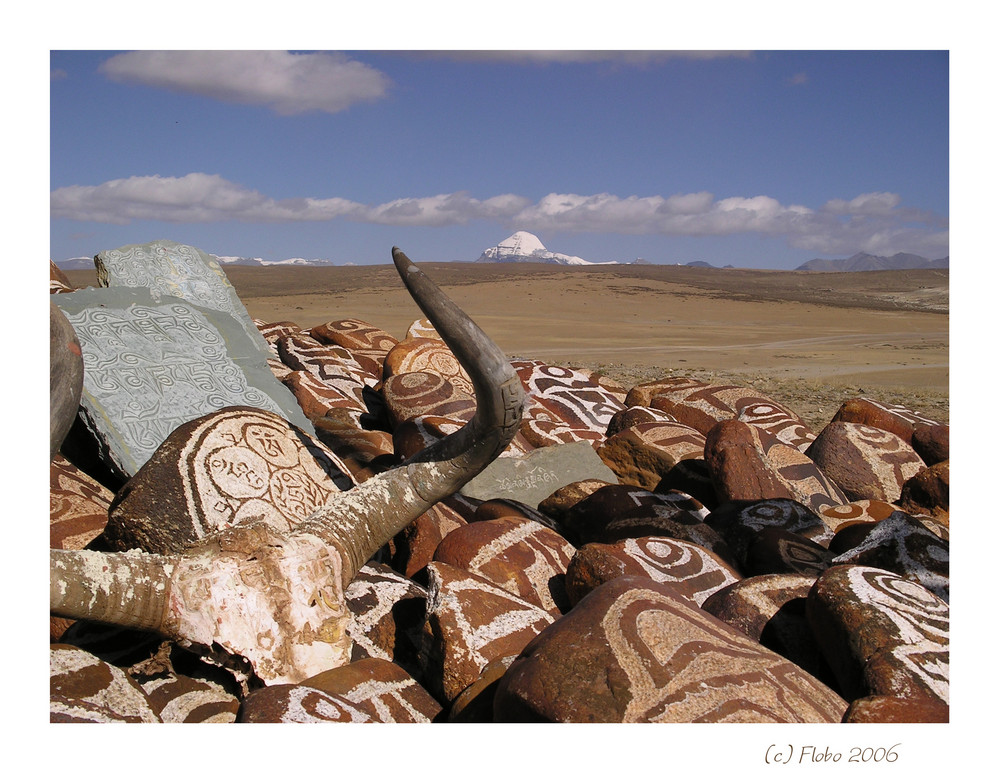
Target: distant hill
{"x": 868, "y": 262}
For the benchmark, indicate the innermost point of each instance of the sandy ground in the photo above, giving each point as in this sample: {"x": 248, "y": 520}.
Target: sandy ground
{"x": 809, "y": 340}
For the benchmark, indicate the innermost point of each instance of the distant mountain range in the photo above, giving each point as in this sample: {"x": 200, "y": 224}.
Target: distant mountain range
{"x": 522, "y": 247}
{"x": 867, "y": 262}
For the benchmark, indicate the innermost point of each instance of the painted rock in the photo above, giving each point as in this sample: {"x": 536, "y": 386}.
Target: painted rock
{"x": 565, "y": 497}
{"x": 643, "y": 394}
{"x": 475, "y": 703}
{"x": 367, "y": 344}
{"x": 177, "y": 698}
{"x": 644, "y": 453}
{"x": 636, "y": 415}
{"x": 634, "y": 651}
{"x": 414, "y": 394}
{"x": 387, "y": 615}
{"x": 272, "y": 331}
{"x": 866, "y": 463}
{"x": 381, "y": 688}
{"x": 740, "y": 523}
{"x": 316, "y": 397}
{"x": 58, "y": 281}
{"x": 414, "y": 546}
{"x": 894, "y": 418}
{"x": 700, "y": 405}
{"x": 472, "y": 622}
{"x": 343, "y": 431}
{"x": 65, "y": 377}
{"x": 836, "y": 517}
{"x": 901, "y": 544}
{"x": 748, "y": 463}
{"x": 516, "y": 554}
{"x": 893, "y": 709}
{"x": 300, "y": 704}
{"x": 332, "y": 366}
{"x": 693, "y": 477}
{"x": 500, "y": 507}
{"x": 771, "y": 609}
{"x": 927, "y": 492}
{"x": 78, "y": 505}
{"x": 692, "y": 571}
{"x": 618, "y": 512}
{"x": 234, "y": 466}
{"x": 419, "y": 354}
{"x": 85, "y": 689}
{"x": 544, "y": 432}
{"x": 571, "y": 395}
{"x": 931, "y": 442}
{"x": 880, "y": 633}
{"x": 422, "y": 329}
{"x": 776, "y": 550}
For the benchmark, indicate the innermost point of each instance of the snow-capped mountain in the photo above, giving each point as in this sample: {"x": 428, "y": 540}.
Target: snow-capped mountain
{"x": 233, "y": 260}
{"x": 522, "y": 247}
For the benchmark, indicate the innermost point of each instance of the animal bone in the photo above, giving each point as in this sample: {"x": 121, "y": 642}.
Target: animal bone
{"x": 276, "y": 601}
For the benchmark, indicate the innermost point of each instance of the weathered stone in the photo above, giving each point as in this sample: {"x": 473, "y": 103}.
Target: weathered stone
{"x": 85, "y": 689}
{"x": 500, "y": 507}
{"x": 425, "y": 354}
{"x": 381, "y": 688}
{"x": 928, "y": 492}
{"x": 182, "y": 699}
{"x": 472, "y": 622}
{"x": 700, "y": 405}
{"x": 634, "y": 651}
{"x": 334, "y": 366}
{"x": 231, "y": 467}
{"x": 387, "y": 614}
{"x": 366, "y": 343}
{"x": 692, "y": 571}
{"x": 837, "y": 517}
{"x": 748, "y": 463}
{"x": 415, "y": 545}
{"x": 931, "y": 442}
{"x": 636, "y": 415}
{"x": 170, "y": 269}
{"x": 78, "y": 506}
{"x": 866, "y": 463}
{"x": 421, "y": 393}
{"x": 299, "y": 704}
{"x": 565, "y": 497}
{"x": 58, "y": 281}
{"x": 771, "y": 609}
{"x": 475, "y": 703}
{"x": 618, "y": 512}
{"x": 316, "y": 397}
{"x": 415, "y": 435}
{"x": 777, "y": 550}
{"x": 152, "y": 365}
{"x": 533, "y": 477}
{"x": 901, "y": 544}
{"x": 644, "y": 453}
{"x": 894, "y": 418}
{"x": 343, "y": 432}
{"x": 739, "y": 523}
{"x": 65, "y": 377}
{"x": 516, "y": 554}
{"x": 880, "y": 633}
{"x": 893, "y": 709}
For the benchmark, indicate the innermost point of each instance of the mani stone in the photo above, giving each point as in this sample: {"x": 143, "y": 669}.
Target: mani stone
{"x": 432, "y": 355}
{"x": 381, "y": 688}
{"x": 635, "y": 651}
{"x": 866, "y": 463}
{"x": 573, "y": 396}
{"x": 181, "y": 699}
{"x": 414, "y": 546}
{"x": 892, "y": 709}
{"x": 151, "y": 365}
{"x": 748, "y": 463}
{"x": 880, "y": 633}
{"x": 85, "y": 689}
{"x": 170, "y": 269}
{"x": 644, "y": 453}
{"x": 231, "y": 467}
{"x": 58, "y": 281}
{"x": 515, "y": 553}
{"x": 471, "y": 622}
{"x": 299, "y": 704}
{"x": 366, "y": 343}
{"x": 897, "y": 419}
{"x": 421, "y": 393}
{"x": 740, "y": 522}
{"x": 693, "y": 571}
{"x": 533, "y": 477}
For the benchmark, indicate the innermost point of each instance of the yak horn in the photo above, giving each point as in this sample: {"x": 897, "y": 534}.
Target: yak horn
{"x": 366, "y": 517}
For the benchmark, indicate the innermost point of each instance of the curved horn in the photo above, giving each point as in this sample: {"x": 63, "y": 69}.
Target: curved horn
{"x": 129, "y": 589}
{"x": 366, "y": 517}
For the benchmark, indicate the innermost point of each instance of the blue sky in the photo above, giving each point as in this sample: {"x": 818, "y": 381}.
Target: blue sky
{"x": 761, "y": 159}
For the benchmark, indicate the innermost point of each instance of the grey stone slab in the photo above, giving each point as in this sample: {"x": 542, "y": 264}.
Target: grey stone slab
{"x": 171, "y": 269}
{"x": 151, "y": 364}
{"x": 533, "y": 477}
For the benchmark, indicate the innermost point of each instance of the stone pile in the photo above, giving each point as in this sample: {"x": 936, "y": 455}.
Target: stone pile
{"x": 676, "y": 551}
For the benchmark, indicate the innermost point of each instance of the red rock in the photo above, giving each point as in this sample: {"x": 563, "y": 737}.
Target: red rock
{"x": 415, "y": 545}
{"x": 931, "y": 442}
{"x": 421, "y": 393}
{"x": 634, "y": 651}
{"x": 85, "y": 689}
{"x": 894, "y": 418}
{"x": 433, "y": 355}
{"x": 367, "y": 344}
{"x": 893, "y": 709}
{"x": 927, "y": 492}
{"x": 299, "y": 704}
{"x": 644, "y": 453}
{"x": 58, "y": 281}
{"x": 380, "y": 688}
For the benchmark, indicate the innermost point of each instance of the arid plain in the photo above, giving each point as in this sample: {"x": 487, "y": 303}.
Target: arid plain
{"x": 810, "y": 340}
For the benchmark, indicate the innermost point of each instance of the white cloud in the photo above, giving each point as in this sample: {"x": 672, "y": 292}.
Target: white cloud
{"x": 285, "y": 82}
{"x": 873, "y": 222}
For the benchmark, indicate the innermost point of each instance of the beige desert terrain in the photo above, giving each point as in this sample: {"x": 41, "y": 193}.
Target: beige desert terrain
{"x": 810, "y": 340}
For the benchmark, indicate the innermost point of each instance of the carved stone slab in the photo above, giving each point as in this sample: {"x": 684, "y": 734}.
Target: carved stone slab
{"x": 533, "y": 477}
{"x": 150, "y": 365}
{"x": 171, "y": 269}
